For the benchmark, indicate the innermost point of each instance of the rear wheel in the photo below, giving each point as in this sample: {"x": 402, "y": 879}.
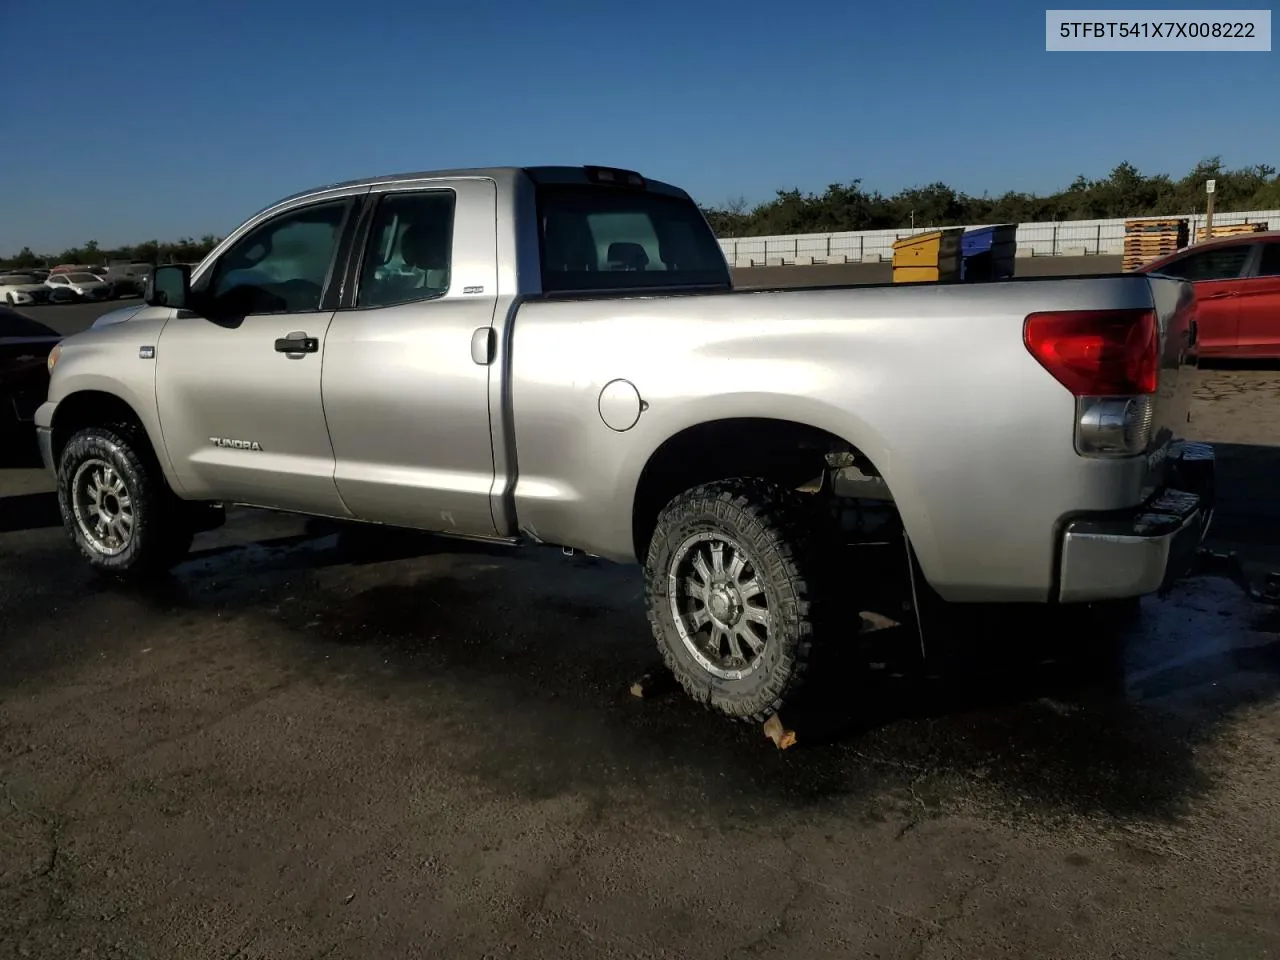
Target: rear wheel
{"x": 116, "y": 507}
{"x": 734, "y": 595}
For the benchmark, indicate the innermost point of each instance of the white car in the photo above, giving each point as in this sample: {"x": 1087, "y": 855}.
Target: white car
{"x": 20, "y": 289}
{"x": 85, "y": 286}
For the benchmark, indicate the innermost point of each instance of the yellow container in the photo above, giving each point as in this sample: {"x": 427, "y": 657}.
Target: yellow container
{"x": 934, "y": 249}
{"x": 924, "y": 274}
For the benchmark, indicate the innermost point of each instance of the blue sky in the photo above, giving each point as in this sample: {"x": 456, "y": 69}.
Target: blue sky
{"x": 158, "y": 120}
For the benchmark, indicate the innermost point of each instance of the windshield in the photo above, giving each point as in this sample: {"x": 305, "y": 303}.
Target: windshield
{"x": 16, "y": 279}
{"x": 83, "y": 278}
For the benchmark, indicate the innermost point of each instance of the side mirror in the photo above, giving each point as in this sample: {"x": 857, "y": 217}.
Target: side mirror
{"x": 169, "y": 286}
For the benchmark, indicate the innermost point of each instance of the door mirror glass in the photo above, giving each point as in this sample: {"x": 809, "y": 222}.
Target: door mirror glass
{"x": 169, "y": 286}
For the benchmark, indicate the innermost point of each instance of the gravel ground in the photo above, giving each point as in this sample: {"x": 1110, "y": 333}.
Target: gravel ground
{"x": 311, "y": 743}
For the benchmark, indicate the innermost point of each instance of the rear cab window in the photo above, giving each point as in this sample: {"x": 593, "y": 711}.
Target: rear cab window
{"x": 600, "y": 237}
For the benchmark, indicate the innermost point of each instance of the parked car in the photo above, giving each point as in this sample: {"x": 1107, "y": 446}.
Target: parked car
{"x": 556, "y": 356}
{"x": 127, "y": 279}
{"x": 1237, "y": 286}
{"x": 127, "y": 286}
{"x": 24, "y": 374}
{"x": 83, "y": 286}
{"x": 22, "y": 289}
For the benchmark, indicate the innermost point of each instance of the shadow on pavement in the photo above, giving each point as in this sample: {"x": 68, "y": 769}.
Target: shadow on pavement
{"x": 1248, "y": 481}
{"x": 1048, "y": 712}
{"x": 29, "y": 511}
{"x": 526, "y": 657}
{"x": 1215, "y": 363}
{"x": 24, "y": 510}
{"x": 18, "y": 451}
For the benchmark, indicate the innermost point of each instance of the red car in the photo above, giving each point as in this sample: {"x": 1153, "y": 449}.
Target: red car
{"x": 1237, "y": 284}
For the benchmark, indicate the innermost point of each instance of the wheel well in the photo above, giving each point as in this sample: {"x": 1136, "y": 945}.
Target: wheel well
{"x": 92, "y": 408}
{"x": 794, "y": 454}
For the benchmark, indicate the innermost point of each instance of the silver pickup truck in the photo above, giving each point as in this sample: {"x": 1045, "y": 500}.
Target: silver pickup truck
{"x": 555, "y": 355}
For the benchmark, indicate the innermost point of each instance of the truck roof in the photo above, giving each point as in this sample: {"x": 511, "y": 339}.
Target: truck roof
{"x": 503, "y": 175}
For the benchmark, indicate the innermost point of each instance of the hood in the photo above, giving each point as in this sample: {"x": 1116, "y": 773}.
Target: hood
{"x": 118, "y": 316}
{"x": 24, "y": 287}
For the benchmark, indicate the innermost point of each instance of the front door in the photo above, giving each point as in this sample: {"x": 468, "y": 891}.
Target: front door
{"x": 405, "y": 393}
{"x": 238, "y": 376}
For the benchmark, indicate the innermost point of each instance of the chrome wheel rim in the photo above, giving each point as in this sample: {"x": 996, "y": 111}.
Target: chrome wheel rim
{"x": 103, "y": 507}
{"x": 719, "y": 605}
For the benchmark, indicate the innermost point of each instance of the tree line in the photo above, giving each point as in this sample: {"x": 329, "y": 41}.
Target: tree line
{"x": 1125, "y": 192}
{"x": 186, "y": 250}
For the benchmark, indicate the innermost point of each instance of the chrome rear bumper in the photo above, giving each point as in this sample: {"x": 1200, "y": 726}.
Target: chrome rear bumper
{"x": 1113, "y": 556}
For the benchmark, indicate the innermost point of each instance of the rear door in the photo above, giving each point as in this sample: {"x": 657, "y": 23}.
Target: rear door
{"x": 1259, "y": 304}
{"x": 1216, "y": 273}
{"x": 407, "y": 359}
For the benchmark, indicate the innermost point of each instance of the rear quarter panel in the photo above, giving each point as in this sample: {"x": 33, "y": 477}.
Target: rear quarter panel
{"x": 932, "y": 383}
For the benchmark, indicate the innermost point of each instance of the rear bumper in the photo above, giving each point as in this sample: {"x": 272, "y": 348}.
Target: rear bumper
{"x": 1114, "y": 556}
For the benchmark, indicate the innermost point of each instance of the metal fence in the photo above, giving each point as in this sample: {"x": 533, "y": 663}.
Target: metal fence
{"x": 1064, "y": 238}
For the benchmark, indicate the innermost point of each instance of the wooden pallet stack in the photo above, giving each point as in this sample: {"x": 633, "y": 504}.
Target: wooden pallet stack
{"x": 1147, "y": 240}
{"x": 1232, "y": 230}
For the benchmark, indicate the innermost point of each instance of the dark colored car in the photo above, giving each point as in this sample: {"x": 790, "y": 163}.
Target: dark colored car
{"x": 128, "y": 285}
{"x": 24, "y": 368}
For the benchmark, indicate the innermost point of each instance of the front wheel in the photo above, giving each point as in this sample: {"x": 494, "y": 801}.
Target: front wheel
{"x": 116, "y": 507}
{"x": 732, "y": 585}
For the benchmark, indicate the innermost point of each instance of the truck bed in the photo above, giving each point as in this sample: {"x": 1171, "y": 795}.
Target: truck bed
{"x": 931, "y": 382}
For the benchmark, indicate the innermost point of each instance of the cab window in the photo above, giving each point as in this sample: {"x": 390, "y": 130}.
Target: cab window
{"x": 409, "y": 253}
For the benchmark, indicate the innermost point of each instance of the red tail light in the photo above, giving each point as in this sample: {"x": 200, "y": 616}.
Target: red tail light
{"x": 1097, "y": 353}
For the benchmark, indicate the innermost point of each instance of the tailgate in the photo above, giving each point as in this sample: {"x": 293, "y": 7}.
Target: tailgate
{"x": 1174, "y": 304}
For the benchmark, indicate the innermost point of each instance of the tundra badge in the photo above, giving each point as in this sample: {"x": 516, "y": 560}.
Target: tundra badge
{"x": 235, "y": 444}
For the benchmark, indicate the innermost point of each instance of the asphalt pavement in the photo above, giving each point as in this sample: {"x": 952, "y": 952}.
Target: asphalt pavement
{"x": 315, "y": 741}
{"x": 69, "y": 318}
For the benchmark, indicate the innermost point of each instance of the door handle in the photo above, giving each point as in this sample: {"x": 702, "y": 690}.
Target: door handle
{"x": 297, "y": 343}
{"x": 1222, "y": 296}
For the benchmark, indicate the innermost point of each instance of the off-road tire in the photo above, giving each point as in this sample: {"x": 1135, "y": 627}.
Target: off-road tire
{"x": 788, "y": 542}
{"x": 163, "y": 526}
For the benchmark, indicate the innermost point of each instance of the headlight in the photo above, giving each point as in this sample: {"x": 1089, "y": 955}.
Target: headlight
{"x": 53, "y": 355}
